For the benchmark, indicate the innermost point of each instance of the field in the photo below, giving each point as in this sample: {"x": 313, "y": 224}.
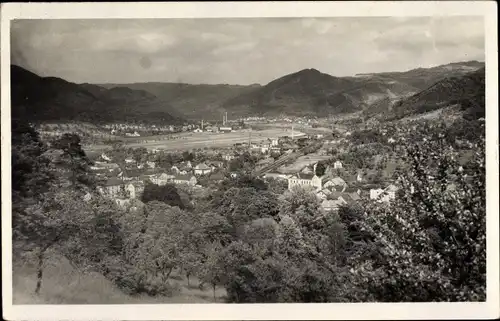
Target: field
{"x": 186, "y": 141}
{"x": 62, "y": 284}
{"x": 301, "y": 162}
{"x": 298, "y": 128}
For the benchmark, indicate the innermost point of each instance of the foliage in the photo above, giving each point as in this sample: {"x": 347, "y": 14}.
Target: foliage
{"x": 167, "y": 194}
{"x": 432, "y": 240}
{"x": 75, "y": 161}
{"x": 31, "y": 172}
{"x": 244, "y": 163}
{"x": 320, "y": 169}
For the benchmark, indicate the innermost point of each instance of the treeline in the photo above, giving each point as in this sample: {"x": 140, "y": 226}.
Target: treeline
{"x": 263, "y": 245}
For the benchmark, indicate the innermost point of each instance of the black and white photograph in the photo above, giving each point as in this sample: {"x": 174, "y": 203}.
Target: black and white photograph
{"x": 203, "y": 161}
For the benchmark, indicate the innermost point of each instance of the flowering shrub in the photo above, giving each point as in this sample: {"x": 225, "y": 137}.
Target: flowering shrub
{"x": 431, "y": 240}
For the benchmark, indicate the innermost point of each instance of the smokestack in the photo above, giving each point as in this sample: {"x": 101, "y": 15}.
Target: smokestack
{"x": 226, "y": 116}
{"x": 202, "y": 124}
{"x": 223, "y": 119}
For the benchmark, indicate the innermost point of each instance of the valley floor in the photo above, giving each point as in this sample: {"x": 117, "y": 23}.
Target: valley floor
{"x": 187, "y": 141}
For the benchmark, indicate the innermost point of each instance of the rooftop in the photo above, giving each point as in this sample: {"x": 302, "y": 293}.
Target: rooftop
{"x": 305, "y": 175}
{"x": 202, "y": 166}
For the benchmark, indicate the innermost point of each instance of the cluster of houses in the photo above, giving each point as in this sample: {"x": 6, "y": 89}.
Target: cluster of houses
{"x": 128, "y": 183}
{"x": 134, "y": 130}
{"x": 333, "y": 191}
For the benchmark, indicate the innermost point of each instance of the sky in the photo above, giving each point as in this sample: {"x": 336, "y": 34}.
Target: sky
{"x": 239, "y": 51}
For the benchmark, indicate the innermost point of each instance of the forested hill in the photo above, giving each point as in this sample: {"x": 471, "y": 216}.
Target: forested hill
{"x": 466, "y": 91}
{"x": 189, "y": 100}
{"x": 38, "y": 98}
{"x": 311, "y": 92}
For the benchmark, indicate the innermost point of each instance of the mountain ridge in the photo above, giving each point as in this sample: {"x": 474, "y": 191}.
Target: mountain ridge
{"x": 51, "y": 98}
{"x": 307, "y": 92}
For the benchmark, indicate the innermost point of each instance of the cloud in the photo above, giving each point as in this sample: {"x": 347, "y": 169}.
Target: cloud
{"x": 239, "y": 51}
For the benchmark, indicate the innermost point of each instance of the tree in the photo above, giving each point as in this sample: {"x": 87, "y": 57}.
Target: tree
{"x": 59, "y": 217}
{"x": 139, "y": 154}
{"x": 320, "y": 169}
{"x": 211, "y": 271}
{"x": 241, "y": 205}
{"x": 432, "y": 238}
{"x": 244, "y": 163}
{"x": 75, "y": 161}
{"x": 31, "y": 171}
{"x": 167, "y": 194}
{"x": 187, "y": 156}
{"x": 165, "y": 160}
{"x": 154, "y": 244}
{"x": 277, "y": 186}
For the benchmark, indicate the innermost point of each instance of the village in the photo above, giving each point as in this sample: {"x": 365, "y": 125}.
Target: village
{"x": 124, "y": 175}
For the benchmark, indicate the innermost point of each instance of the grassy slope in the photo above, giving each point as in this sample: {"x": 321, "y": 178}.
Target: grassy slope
{"x": 62, "y": 284}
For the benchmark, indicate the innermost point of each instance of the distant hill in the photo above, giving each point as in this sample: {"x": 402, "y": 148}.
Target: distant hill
{"x": 310, "y": 92}
{"x": 467, "y": 91}
{"x": 191, "y": 101}
{"x": 50, "y": 99}
{"x": 306, "y": 92}
{"x": 422, "y": 78}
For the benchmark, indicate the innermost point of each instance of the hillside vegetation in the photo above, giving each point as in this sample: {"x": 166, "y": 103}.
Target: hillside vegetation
{"x": 191, "y": 101}
{"x": 466, "y": 91}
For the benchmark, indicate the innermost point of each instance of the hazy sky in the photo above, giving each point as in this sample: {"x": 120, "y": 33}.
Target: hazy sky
{"x": 239, "y": 51}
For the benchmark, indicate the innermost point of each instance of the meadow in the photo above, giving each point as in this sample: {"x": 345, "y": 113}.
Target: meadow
{"x": 65, "y": 284}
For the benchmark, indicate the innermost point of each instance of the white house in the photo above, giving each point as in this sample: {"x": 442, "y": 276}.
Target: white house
{"x": 134, "y": 189}
{"x": 337, "y": 164}
{"x": 185, "y": 179}
{"x": 375, "y": 193}
{"x": 307, "y": 179}
{"x": 202, "y": 169}
{"x": 112, "y": 188}
{"x": 151, "y": 164}
{"x": 162, "y": 179}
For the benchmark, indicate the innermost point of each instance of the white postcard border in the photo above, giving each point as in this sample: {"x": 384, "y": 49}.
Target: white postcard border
{"x": 327, "y": 311}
